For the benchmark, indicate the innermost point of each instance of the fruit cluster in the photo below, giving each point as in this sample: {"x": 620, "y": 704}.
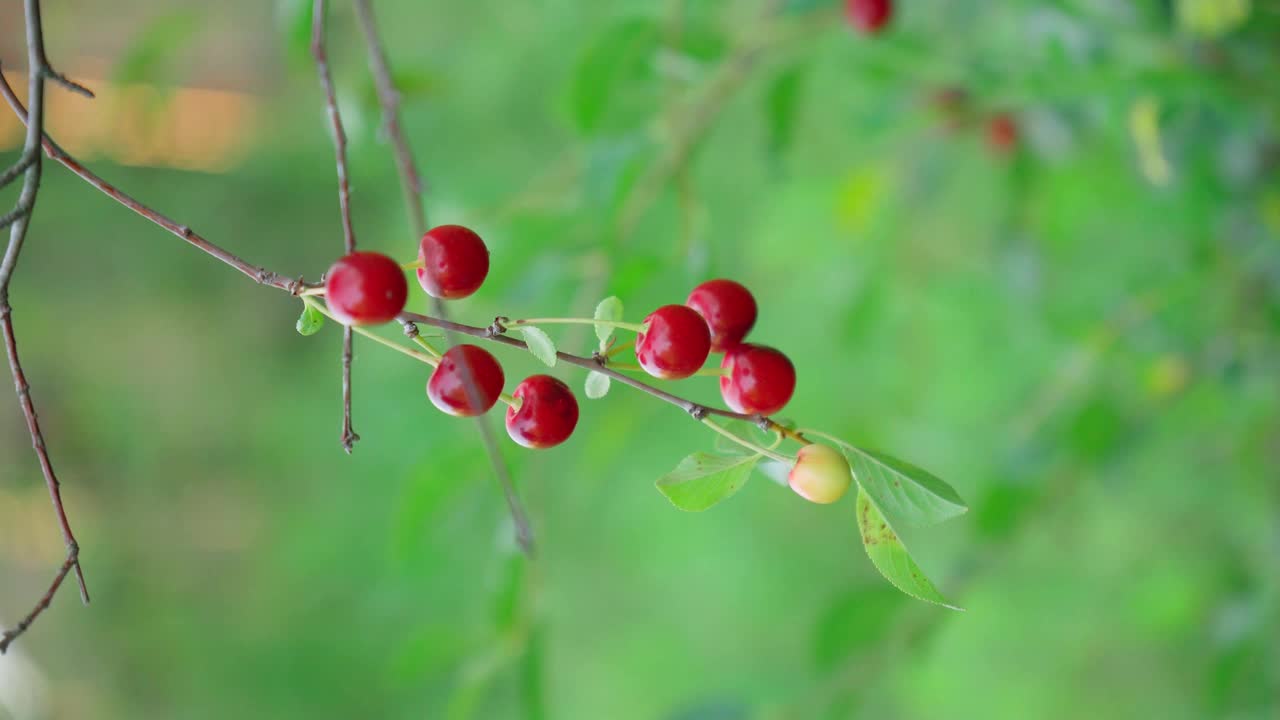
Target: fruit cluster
{"x": 673, "y": 342}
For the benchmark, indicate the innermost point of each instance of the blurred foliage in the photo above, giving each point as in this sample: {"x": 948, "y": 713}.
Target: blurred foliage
{"x": 1081, "y": 334}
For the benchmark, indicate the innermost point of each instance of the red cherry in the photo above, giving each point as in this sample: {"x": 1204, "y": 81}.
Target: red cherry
{"x": 547, "y": 415}
{"x": 759, "y": 380}
{"x": 728, "y": 308}
{"x": 1002, "y": 132}
{"x": 447, "y": 387}
{"x": 454, "y": 262}
{"x": 365, "y": 288}
{"x": 868, "y": 16}
{"x": 675, "y": 343}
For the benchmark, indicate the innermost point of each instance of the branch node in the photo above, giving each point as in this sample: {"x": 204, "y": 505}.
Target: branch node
{"x": 410, "y": 329}
{"x": 498, "y": 327}
{"x": 764, "y": 423}
{"x": 185, "y": 232}
{"x": 696, "y": 411}
{"x": 66, "y": 82}
{"x": 600, "y": 358}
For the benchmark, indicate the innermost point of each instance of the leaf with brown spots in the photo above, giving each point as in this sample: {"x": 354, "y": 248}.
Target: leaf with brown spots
{"x": 902, "y": 490}
{"x": 890, "y": 556}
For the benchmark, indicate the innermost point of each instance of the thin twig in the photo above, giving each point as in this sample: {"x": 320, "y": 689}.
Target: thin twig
{"x": 389, "y": 99}
{"x": 37, "y": 70}
{"x": 258, "y": 274}
{"x": 696, "y": 410}
{"x": 348, "y": 436}
{"x": 411, "y": 184}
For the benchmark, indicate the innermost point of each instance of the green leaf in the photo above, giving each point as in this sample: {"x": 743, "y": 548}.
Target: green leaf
{"x": 539, "y": 344}
{"x": 611, "y": 86}
{"x": 609, "y": 309}
{"x": 902, "y": 490}
{"x": 890, "y": 556}
{"x": 702, "y": 480}
{"x": 597, "y": 385}
{"x": 310, "y": 321}
{"x": 781, "y": 103}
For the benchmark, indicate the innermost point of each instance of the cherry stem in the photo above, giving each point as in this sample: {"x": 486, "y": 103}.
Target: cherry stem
{"x": 619, "y": 348}
{"x": 415, "y": 265}
{"x": 747, "y": 443}
{"x": 704, "y": 372}
{"x": 312, "y": 291}
{"x": 421, "y": 342}
{"x": 825, "y": 436}
{"x": 633, "y": 327}
{"x": 433, "y": 362}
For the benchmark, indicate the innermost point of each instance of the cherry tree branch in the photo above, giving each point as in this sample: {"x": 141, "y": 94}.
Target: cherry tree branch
{"x": 294, "y": 287}
{"x": 598, "y": 363}
{"x": 389, "y": 99}
{"x": 411, "y": 184}
{"x": 348, "y": 437}
{"x": 258, "y": 274}
{"x": 38, "y": 70}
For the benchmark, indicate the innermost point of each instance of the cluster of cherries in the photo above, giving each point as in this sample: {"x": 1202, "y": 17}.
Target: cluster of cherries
{"x": 368, "y": 288}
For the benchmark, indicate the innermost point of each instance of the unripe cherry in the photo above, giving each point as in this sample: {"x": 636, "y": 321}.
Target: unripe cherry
{"x": 547, "y": 414}
{"x": 821, "y": 474}
{"x": 675, "y": 342}
{"x": 447, "y": 387}
{"x": 365, "y": 288}
{"x": 454, "y": 262}
{"x": 728, "y": 308}
{"x": 757, "y": 379}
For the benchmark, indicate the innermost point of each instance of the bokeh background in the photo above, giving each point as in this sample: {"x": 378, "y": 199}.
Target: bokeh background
{"x": 1080, "y": 330}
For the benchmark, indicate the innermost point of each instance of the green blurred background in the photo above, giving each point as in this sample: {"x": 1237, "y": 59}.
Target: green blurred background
{"x": 1080, "y": 332}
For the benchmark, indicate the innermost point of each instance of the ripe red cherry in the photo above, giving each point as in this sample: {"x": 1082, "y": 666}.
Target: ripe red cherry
{"x": 868, "y": 16}
{"x": 675, "y": 343}
{"x": 728, "y": 308}
{"x": 758, "y": 379}
{"x": 454, "y": 261}
{"x": 547, "y": 415}
{"x": 365, "y": 288}
{"x": 447, "y": 387}
{"x": 1002, "y": 132}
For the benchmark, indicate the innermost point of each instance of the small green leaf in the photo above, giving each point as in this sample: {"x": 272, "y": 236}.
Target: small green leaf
{"x": 310, "y": 321}
{"x": 890, "y": 556}
{"x": 540, "y": 344}
{"x": 597, "y": 385}
{"x": 701, "y": 480}
{"x": 904, "y": 491}
{"x": 609, "y": 309}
